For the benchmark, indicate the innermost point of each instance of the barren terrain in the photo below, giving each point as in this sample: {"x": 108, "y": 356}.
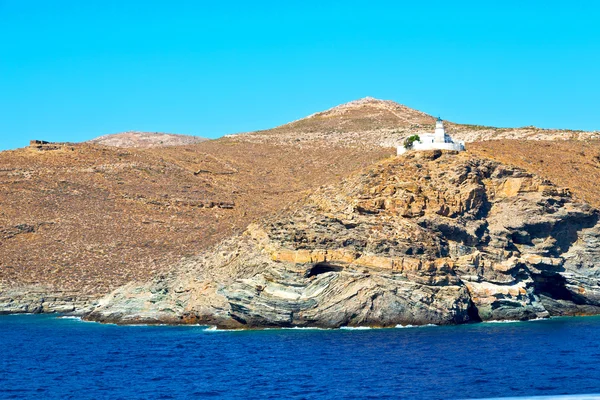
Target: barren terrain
{"x": 146, "y": 139}
{"x": 372, "y": 122}
{"x": 574, "y": 164}
{"x": 425, "y": 238}
{"x": 91, "y": 217}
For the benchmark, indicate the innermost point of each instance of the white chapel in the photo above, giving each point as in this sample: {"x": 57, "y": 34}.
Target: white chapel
{"x": 439, "y": 140}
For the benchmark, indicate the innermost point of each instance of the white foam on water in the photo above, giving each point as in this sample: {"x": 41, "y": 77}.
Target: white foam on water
{"x": 84, "y": 321}
{"x": 301, "y": 328}
{"x": 413, "y": 326}
{"x": 355, "y": 328}
{"x": 502, "y": 321}
{"x": 293, "y": 328}
{"x": 512, "y": 321}
{"x": 308, "y": 328}
{"x": 18, "y": 314}
{"x": 213, "y": 328}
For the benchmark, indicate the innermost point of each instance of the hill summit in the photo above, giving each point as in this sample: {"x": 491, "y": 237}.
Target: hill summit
{"x": 134, "y": 139}
{"x": 369, "y": 122}
{"x": 372, "y": 113}
{"x": 364, "y": 122}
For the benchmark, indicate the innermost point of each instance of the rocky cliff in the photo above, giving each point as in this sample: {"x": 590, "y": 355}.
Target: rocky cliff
{"x": 80, "y": 220}
{"x": 425, "y": 238}
{"x": 35, "y": 299}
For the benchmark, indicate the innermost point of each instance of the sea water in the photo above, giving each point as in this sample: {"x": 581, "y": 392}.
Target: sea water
{"x": 47, "y": 357}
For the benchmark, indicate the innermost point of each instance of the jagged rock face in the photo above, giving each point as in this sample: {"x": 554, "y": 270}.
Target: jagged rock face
{"x": 423, "y": 238}
{"x": 36, "y": 299}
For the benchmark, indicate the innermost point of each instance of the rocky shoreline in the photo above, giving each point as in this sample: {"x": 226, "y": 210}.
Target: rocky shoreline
{"x": 40, "y": 299}
{"x": 428, "y": 238}
{"x": 425, "y": 239}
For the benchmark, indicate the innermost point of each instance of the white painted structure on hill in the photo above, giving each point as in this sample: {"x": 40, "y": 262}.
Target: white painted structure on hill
{"x": 439, "y": 140}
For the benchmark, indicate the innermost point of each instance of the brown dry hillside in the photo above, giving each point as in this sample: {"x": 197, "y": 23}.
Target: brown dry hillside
{"x": 573, "y": 164}
{"x": 91, "y": 218}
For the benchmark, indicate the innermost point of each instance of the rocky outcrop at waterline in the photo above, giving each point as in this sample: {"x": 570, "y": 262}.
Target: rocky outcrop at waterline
{"x": 38, "y": 299}
{"x": 428, "y": 238}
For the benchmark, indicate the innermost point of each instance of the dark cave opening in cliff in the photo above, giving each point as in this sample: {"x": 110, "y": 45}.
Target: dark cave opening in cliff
{"x": 473, "y": 312}
{"x": 553, "y": 286}
{"x": 322, "y": 268}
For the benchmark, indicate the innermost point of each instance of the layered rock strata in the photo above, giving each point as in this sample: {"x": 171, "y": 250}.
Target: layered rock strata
{"x": 43, "y": 299}
{"x": 427, "y": 238}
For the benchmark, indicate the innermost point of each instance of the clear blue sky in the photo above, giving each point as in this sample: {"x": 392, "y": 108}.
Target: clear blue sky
{"x": 74, "y": 70}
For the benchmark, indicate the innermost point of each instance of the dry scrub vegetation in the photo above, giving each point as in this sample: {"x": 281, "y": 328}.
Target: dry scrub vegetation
{"x": 372, "y": 122}
{"x": 572, "y": 164}
{"x": 91, "y": 218}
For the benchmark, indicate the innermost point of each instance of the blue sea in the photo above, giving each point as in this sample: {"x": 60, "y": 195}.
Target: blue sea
{"x": 47, "y": 357}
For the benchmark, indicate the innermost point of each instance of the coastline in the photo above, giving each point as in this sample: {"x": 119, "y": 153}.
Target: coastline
{"x": 213, "y": 328}
{"x": 38, "y": 300}
{"x": 44, "y": 300}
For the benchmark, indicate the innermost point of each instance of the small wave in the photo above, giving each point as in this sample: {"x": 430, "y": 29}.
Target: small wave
{"x": 502, "y": 321}
{"x": 355, "y": 328}
{"x": 413, "y": 326}
{"x": 309, "y": 328}
{"x": 20, "y": 314}
{"x": 292, "y": 328}
{"x": 70, "y": 317}
{"x": 303, "y": 328}
{"x": 512, "y": 321}
{"x": 213, "y": 328}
